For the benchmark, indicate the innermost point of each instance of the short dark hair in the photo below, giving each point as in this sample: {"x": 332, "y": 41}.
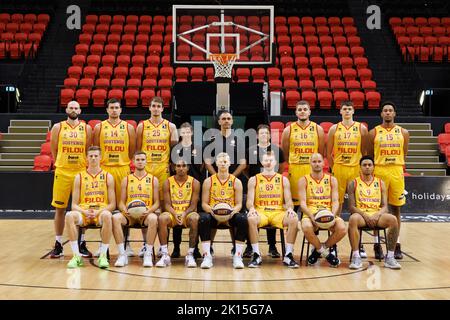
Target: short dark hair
{"x": 366, "y": 158}
{"x": 221, "y": 112}
{"x": 302, "y": 102}
{"x": 262, "y": 126}
{"x": 94, "y": 148}
{"x": 346, "y": 103}
{"x": 390, "y": 103}
{"x": 112, "y": 100}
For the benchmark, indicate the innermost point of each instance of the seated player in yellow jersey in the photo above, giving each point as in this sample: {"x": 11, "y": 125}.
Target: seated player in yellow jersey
{"x": 222, "y": 187}
{"x": 93, "y": 200}
{"x": 319, "y": 190}
{"x": 269, "y": 203}
{"x": 139, "y": 185}
{"x": 369, "y": 208}
{"x": 181, "y": 194}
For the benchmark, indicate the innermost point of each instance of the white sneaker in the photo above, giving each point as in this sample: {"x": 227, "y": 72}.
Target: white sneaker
{"x": 362, "y": 252}
{"x": 148, "y": 260}
{"x": 207, "y": 262}
{"x": 121, "y": 261}
{"x": 356, "y": 263}
{"x": 189, "y": 261}
{"x": 237, "y": 262}
{"x": 129, "y": 251}
{"x": 164, "y": 261}
{"x": 142, "y": 251}
{"x": 391, "y": 263}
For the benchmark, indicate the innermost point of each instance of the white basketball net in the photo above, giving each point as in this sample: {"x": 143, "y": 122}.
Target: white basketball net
{"x": 223, "y": 64}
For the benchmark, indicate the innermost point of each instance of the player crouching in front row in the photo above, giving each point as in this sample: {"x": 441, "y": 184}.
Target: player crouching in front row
{"x": 93, "y": 200}
{"x": 317, "y": 191}
{"x": 267, "y": 192}
{"x": 369, "y": 208}
{"x": 143, "y": 186}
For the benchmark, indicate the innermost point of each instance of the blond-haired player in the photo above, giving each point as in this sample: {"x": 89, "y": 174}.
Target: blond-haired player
{"x": 390, "y": 147}
{"x": 299, "y": 142}
{"x": 69, "y": 142}
{"x": 139, "y": 185}
{"x": 368, "y": 207}
{"x": 269, "y": 202}
{"x": 93, "y": 200}
{"x": 319, "y": 190}
{"x": 181, "y": 195}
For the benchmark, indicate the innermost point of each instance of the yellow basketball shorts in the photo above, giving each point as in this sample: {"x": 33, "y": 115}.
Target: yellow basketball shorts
{"x": 118, "y": 173}
{"x": 297, "y": 171}
{"x": 343, "y": 175}
{"x": 271, "y": 218}
{"x": 394, "y": 182}
{"x": 62, "y": 187}
{"x": 160, "y": 171}
{"x": 184, "y": 224}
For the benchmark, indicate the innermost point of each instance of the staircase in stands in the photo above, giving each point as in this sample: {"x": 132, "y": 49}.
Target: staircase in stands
{"x": 423, "y": 155}
{"x": 22, "y": 143}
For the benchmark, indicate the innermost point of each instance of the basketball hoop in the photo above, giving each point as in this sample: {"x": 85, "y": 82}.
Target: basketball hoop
{"x": 223, "y": 64}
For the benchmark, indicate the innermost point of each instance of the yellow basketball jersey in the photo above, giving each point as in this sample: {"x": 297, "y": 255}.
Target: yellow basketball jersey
{"x": 222, "y": 192}
{"x": 71, "y": 146}
{"x": 388, "y": 146}
{"x": 140, "y": 189}
{"x": 156, "y": 141}
{"x": 93, "y": 190}
{"x": 114, "y": 143}
{"x": 318, "y": 193}
{"x": 347, "y": 144}
{"x": 269, "y": 194}
{"x": 303, "y": 143}
{"x": 181, "y": 195}
{"x": 368, "y": 196}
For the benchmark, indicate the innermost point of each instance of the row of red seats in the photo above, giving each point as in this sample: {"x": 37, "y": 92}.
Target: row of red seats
{"x": 419, "y": 21}
{"x": 444, "y": 142}
{"x": 422, "y": 31}
{"x": 326, "y": 99}
{"x": 27, "y": 18}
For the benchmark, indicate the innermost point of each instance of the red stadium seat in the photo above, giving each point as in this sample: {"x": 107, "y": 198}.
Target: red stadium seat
{"x": 82, "y": 96}
{"x": 338, "y": 97}
{"x": 146, "y": 96}
{"x": 357, "y": 98}
{"x": 131, "y": 97}
{"x": 373, "y": 100}
{"x": 66, "y": 96}
{"x": 325, "y": 98}
{"x": 311, "y": 97}
{"x": 42, "y": 163}
{"x": 292, "y": 97}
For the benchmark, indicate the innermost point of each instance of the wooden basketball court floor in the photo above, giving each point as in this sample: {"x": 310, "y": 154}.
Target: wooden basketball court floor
{"x": 28, "y": 272}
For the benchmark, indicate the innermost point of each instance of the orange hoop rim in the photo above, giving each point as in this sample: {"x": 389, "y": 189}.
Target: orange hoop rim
{"x": 222, "y": 58}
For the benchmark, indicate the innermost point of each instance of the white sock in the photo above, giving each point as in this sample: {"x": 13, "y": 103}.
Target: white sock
{"x": 322, "y": 249}
{"x": 375, "y": 239}
{"x": 149, "y": 248}
{"x": 355, "y": 254}
{"x": 121, "y": 247}
{"x": 191, "y": 250}
{"x": 164, "y": 249}
{"x": 398, "y": 239}
{"x": 206, "y": 246}
{"x": 390, "y": 254}
{"x": 255, "y": 247}
{"x": 100, "y": 247}
{"x": 75, "y": 249}
{"x": 105, "y": 247}
{"x": 239, "y": 249}
{"x": 82, "y": 237}
{"x": 289, "y": 248}
{"x": 59, "y": 239}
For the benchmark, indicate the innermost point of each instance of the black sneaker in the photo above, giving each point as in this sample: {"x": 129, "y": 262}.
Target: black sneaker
{"x": 57, "y": 251}
{"x": 273, "y": 252}
{"x": 248, "y": 252}
{"x": 175, "y": 252}
{"x": 211, "y": 251}
{"x": 333, "y": 260}
{"x": 313, "y": 257}
{"x": 197, "y": 254}
{"x": 398, "y": 252}
{"x": 256, "y": 261}
{"x": 378, "y": 249}
{"x": 289, "y": 261}
{"x": 362, "y": 252}
{"x": 333, "y": 250}
{"x": 84, "y": 250}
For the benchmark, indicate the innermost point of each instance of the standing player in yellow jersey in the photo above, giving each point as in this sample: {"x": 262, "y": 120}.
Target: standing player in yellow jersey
{"x": 181, "y": 194}
{"x": 368, "y": 206}
{"x": 93, "y": 200}
{"x": 299, "y": 141}
{"x": 319, "y": 190}
{"x": 222, "y": 187}
{"x": 139, "y": 185}
{"x": 346, "y": 144}
{"x": 390, "y": 147}
{"x": 269, "y": 202}
{"x": 69, "y": 142}
{"x": 155, "y": 137}
{"x": 117, "y": 140}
